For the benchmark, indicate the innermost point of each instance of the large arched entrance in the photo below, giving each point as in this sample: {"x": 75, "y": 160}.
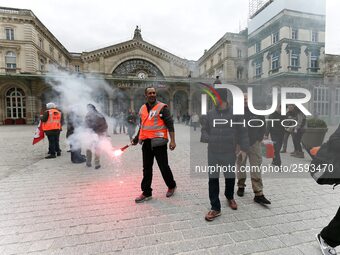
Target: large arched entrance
{"x": 180, "y": 102}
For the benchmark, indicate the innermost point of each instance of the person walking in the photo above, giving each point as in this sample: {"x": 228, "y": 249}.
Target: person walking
{"x": 288, "y": 130}
{"x": 131, "y": 123}
{"x": 221, "y": 141}
{"x": 195, "y": 120}
{"x": 155, "y": 124}
{"x": 329, "y": 237}
{"x": 96, "y": 122}
{"x": 52, "y": 121}
{"x": 254, "y": 155}
{"x": 298, "y": 133}
{"x": 276, "y": 132}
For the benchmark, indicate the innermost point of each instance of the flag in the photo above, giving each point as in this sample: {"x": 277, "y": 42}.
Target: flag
{"x": 39, "y": 134}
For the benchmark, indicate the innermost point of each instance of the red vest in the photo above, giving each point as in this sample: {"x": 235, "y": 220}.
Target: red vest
{"x": 152, "y": 125}
{"x": 54, "y": 120}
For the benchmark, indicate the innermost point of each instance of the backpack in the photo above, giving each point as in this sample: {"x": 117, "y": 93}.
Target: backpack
{"x": 325, "y": 166}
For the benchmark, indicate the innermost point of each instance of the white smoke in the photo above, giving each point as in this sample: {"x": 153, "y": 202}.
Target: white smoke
{"x": 76, "y": 91}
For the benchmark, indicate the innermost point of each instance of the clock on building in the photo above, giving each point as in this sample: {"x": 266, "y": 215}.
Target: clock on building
{"x": 141, "y": 75}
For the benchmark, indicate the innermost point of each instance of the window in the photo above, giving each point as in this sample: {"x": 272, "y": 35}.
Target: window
{"x": 276, "y": 37}
{"x": 41, "y": 43}
{"x": 51, "y": 50}
{"x": 314, "y": 36}
{"x": 337, "y": 101}
{"x": 295, "y": 58}
{"x": 294, "y": 34}
{"x": 15, "y": 103}
{"x": 258, "y": 69}
{"x": 9, "y": 33}
{"x": 321, "y": 101}
{"x": 239, "y": 73}
{"x": 239, "y": 53}
{"x": 314, "y": 60}
{"x": 11, "y": 60}
{"x": 77, "y": 68}
{"x": 205, "y": 67}
{"x": 275, "y": 60}
{"x": 42, "y": 64}
{"x": 257, "y": 47}
{"x": 211, "y": 62}
{"x": 219, "y": 57}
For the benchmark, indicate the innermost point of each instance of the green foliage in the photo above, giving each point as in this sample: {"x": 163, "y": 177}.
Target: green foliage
{"x": 316, "y": 123}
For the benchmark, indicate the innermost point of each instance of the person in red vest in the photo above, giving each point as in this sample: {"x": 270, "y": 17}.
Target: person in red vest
{"x": 155, "y": 123}
{"x": 52, "y": 121}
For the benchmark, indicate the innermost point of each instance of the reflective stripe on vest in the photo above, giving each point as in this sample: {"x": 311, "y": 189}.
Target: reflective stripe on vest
{"x": 152, "y": 125}
{"x": 53, "y": 121}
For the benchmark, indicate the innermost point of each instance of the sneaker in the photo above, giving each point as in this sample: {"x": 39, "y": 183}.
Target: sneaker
{"x": 50, "y": 156}
{"x": 58, "y": 153}
{"x": 232, "y": 204}
{"x": 212, "y": 214}
{"x": 325, "y": 248}
{"x": 170, "y": 192}
{"x": 97, "y": 167}
{"x": 142, "y": 198}
{"x": 240, "y": 192}
{"x": 262, "y": 200}
{"x": 283, "y": 151}
{"x": 88, "y": 164}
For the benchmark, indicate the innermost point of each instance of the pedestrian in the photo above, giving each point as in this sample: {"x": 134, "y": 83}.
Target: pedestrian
{"x": 288, "y": 130}
{"x": 155, "y": 123}
{"x": 195, "y": 120}
{"x": 255, "y": 134}
{"x": 329, "y": 237}
{"x": 276, "y": 132}
{"x": 96, "y": 122}
{"x": 52, "y": 121}
{"x": 131, "y": 123}
{"x": 115, "y": 120}
{"x": 221, "y": 141}
{"x": 121, "y": 122}
{"x": 74, "y": 121}
{"x": 298, "y": 133}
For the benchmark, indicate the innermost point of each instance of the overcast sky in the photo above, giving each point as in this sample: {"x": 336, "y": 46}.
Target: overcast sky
{"x": 182, "y": 27}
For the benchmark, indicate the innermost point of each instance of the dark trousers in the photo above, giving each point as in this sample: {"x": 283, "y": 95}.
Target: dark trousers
{"x": 285, "y": 140}
{"x": 220, "y": 159}
{"x": 161, "y": 155}
{"x": 277, "y": 139}
{"x": 53, "y": 144}
{"x": 331, "y": 233}
{"x": 297, "y": 140}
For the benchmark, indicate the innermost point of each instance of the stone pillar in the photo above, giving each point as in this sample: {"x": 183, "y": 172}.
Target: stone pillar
{"x": 31, "y": 109}
{"x": 110, "y": 106}
{"x": 132, "y": 103}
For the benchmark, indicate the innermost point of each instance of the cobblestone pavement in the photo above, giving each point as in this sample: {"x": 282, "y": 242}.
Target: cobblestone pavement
{"x": 55, "y": 207}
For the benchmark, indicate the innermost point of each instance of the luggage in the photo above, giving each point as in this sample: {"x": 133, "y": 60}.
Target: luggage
{"x": 267, "y": 147}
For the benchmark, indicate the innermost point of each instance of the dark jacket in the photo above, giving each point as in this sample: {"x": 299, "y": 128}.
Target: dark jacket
{"x": 275, "y": 127}
{"x": 96, "y": 121}
{"x": 254, "y": 133}
{"x": 73, "y": 121}
{"x": 224, "y": 138}
{"x": 334, "y": 141}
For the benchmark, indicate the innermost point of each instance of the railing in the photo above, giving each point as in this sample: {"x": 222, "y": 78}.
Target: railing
{"x": 15, "y": 11}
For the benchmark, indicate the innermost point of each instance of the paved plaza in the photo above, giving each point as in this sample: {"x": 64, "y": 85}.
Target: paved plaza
{"x": 56, "y": 207}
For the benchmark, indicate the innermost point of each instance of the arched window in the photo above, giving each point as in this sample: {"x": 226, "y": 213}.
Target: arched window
{"x": 15, "y": 103}
{"x": 11, "y": 60}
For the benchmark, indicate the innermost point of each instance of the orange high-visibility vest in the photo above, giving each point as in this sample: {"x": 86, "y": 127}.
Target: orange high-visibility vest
{"x": 152, "y": 125}
{"x": 54, "y": 120}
